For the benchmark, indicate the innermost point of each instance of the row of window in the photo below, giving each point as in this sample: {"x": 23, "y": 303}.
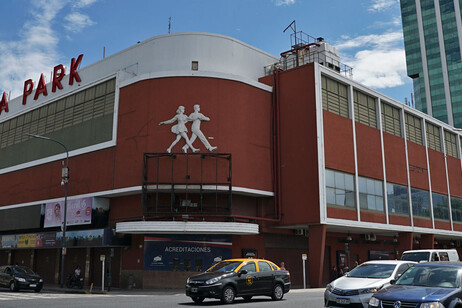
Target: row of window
{"x": 335, "y": 99}
{"x": 72, "y": 110}
{"x": 340, "y": 191}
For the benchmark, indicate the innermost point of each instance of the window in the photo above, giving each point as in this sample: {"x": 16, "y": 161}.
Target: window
{"x": 397, "y": 198}
{"x": 334, "y": 96}
{"x": 340, "y": 189}
{"x": 450, "y": 144}
{"x": 264, "y": 267}
{"x": 64, "y": 119}
{"x": 420, "y": 202}
{"x": 365, "y": 109}
{"x": 440, "y": 206}
{"x": 250, "y": 267}
{"x": 456, "y": 207}
{"x": 391, "y": 120}
{"x": 433, "y": 137}
{"x": 413, "y": 128}
{"x": 370, "y": 194}
{"x": 401, "y": 269}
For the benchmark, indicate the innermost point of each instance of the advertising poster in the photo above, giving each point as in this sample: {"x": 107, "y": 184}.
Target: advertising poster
{"x": 78, "y": 212}
{"x": 9, "y": 241}
{"x": 47, "y": 239}
{"x": 82, "y": 238}
{"x": 27, "y": 240}
{"x": 185, "y": 252}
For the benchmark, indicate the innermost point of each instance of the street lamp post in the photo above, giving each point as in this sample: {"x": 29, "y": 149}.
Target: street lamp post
{"x": 64, "y": 181}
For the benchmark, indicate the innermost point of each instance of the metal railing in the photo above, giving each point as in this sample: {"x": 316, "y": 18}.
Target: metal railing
{"x": 290, "y": 61}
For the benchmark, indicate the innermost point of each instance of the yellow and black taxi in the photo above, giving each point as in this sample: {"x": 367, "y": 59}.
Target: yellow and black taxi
{"x": 233, "y": 278}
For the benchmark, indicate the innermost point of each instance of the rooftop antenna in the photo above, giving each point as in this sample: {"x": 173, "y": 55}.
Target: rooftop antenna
{"x": 169, "y": 24}
{"x": 292, "y": 26}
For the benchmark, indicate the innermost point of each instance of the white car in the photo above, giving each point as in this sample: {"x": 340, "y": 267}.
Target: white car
{"x": 357, "y": 287}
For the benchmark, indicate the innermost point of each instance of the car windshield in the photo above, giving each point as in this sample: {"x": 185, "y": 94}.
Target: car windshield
{"x": 431, "y": 276}
{"x": 372, "y": 271}
{"x": 22, "y": 270}
{"x": 416, "y": 256}
{"x": 224, "y": 266}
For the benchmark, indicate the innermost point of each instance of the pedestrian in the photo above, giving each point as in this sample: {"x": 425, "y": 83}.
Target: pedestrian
{"x": 282, "y": 266}
{"x": 333, "y": 273}
{"x": 77, "y": 272}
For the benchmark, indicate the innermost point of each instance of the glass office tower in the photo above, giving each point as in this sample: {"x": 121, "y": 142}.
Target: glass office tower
{"x": 432, "y": 39}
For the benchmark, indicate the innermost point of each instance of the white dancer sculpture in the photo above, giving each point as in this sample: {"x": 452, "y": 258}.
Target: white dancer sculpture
{"x": 179, "y": 129}
{"x": 196, "y": 117}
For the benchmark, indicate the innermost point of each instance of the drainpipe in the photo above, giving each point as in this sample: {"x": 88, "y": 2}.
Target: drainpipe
{"x": 276, "y": 146}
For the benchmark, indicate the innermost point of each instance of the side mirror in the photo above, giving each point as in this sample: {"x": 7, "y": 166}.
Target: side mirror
{"x": 243, "y": 272}
{"x": 393, "y": 281}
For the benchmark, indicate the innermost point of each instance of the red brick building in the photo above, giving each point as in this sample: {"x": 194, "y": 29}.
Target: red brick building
{"x": 307, "y": 162}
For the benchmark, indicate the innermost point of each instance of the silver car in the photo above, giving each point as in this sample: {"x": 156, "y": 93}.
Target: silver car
{"x": 357, "y": 287}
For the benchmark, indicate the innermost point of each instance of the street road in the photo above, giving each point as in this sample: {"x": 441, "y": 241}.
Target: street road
{"x": 309, "y": 298}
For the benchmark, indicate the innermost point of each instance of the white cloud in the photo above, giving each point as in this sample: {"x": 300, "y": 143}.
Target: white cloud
{"x": 76, "y": 22}
{"x": 381, "y": 5}
{"x": 284, "y": 2}
{"x": 35, "y": 51}
{"x": 83, "y": 3}
{"x": 378, "y": 61}
{"x": 375, "y": 40}
{"x": 379, "y": 68}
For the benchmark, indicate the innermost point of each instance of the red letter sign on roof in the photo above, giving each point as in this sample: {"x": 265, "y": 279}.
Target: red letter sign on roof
{"x": 3, "y": 104}
{"x": 73, "y": 73}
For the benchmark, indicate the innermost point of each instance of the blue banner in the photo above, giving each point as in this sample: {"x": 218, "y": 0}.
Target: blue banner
{"x": 194, "y": 253}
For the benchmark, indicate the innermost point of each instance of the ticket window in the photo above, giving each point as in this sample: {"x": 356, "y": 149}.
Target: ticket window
{"x": 187, "y": 265}
{"x": 198, "y": 265}
{"x": 176, "y": 264}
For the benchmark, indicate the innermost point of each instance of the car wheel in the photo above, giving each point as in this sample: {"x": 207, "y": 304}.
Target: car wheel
{"x": 36, "y": 290}
{"x": 198, "y": 299}
{"x": 13, "y": 287}
{"x": 278, "y": 292}
{"x": 228, "y": 295}
{"x": 247, "y": 298}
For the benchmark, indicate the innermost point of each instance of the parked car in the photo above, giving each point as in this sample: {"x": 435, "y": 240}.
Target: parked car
{"x": 356, "y": 287}
{"x": 233, "y": 278}
{"x": 426, "y": 285}
{"x": 20, "y": 277}
{"x": 430, "y": 255}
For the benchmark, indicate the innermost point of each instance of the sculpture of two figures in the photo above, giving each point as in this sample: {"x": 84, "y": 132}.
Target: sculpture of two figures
{"x": 180, "y": 129}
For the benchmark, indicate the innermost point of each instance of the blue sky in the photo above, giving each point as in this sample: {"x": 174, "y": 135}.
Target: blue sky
{"x": 36, "y": 35}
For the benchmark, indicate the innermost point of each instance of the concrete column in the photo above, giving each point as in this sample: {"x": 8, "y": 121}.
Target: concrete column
{"x": 86, "y": 278}
{"x": 427, "y": 241}
{"x": 57, "y": 266}
{"x": 406, "y": 241}
{"x": 316, "y": 248}
{"x": 32, "y": 256}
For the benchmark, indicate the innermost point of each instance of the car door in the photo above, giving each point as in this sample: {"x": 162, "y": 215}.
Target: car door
{"x": 2, "y": 275}
{"x": 5, "y": 276}
{"x": 265, "y": 277}
{"x": 246, "y": 282}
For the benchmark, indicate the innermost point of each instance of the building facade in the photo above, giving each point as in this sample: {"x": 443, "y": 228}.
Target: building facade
{"x": 432, "y": 39}
{"x": 294, "y": 159}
